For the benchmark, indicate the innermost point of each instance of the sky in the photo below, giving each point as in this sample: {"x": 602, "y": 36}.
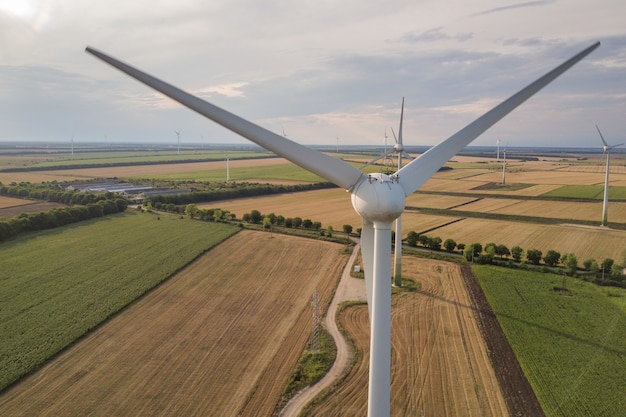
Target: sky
{"x": 321, "y": 72}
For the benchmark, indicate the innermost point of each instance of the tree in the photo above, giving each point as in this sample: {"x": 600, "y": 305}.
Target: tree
{"x": 460, "y": 246}
{"x": 191, "y": 210}
{"x": 616, "y": 270}
{"x": 307, "y": 223}
{"x": 289, "y": 222}
{"x": 411, "y": 238}
{"x": 570, "y": 262}
{"x": 517, "y": 253}
{"x": 534, "y": 256}
{"x": 255, "y": 216}
{"x": 267, "y": 222}
{"x": 502, "y": 251}
{"x": 434, "y": 243}
{"x": 472, "y": 251}
{"x": 316, "y": 225}
{"x": 347, "y": 229}
{"x": 552, "y": 258}
{"x": 591, "y": 265}
{"x": 449, "y": 245}
{"x": 297, "y": 222}
{"x": 607, "y": 264}
{"x": 329, "y": 231}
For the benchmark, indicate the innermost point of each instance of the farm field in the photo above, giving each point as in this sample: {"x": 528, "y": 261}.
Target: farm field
{"x": 218, "y": 338}
{"x": 329, "y": 206}
{"x": 11, "y": 207}
{"x": 580, "y": 336}
{"x": 584, "y": 242}
{"x": 440, "y": 364}
{"x": 60, "y": 283}
{"x": 550, "y": 209}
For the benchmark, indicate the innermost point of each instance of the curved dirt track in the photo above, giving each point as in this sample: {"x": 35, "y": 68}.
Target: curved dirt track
{"x": 220, "y": 338}
{"x": 440, "y": 362}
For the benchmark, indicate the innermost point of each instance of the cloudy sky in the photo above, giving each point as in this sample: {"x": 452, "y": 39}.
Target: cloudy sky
{"x": 321, "y": 71}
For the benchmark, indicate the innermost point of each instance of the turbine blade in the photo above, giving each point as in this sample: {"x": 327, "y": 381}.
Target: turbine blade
{"x": 383, "y": 155}
{"x": 367, "y": 255}
{"x": 602, "y": 137}
{"x": 416, "y": 173}
{"x": 394, "y": 135}
{"x": 401, "y": 118}
{"x": 332, "y": 169}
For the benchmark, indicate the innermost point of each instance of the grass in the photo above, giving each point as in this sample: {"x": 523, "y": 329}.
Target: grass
{"x": 571, "y": 344}
{"x": 84, "y": 274}
{"x": 587, "y": 192}
{"x": 59, "y": 160}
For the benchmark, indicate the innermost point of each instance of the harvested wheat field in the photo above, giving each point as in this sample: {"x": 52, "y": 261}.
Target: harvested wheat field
{"x": 220, "y": 338}
{"x": 586, "y": 242}
{"x": 440, "y": 361}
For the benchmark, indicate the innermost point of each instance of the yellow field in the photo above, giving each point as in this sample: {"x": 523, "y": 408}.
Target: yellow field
{"x": 584, "y": 242}
{"x": 12, "y": 202}
{"x": 219, "y": 338}
{"x": 591, "y": 210}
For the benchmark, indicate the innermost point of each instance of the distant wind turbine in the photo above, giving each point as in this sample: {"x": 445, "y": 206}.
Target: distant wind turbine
{"x": 504, "y": 168}
{"x": 378, "y": 198}
{"x": 605, "y": 203}
{"x": 177, "y": 140}
{"x": 498, "y": 151}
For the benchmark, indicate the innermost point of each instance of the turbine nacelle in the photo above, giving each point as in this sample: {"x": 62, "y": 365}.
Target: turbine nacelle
{"x": 379, "y": 198}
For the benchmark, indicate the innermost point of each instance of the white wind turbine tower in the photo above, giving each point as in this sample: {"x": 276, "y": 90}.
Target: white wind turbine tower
{"x": 378, "y": 198}
{"x": 177, "y": 140}
{"x": 504, "y": 168}
{"x": 498, "y": 151}
{"x": 605, "y": 203}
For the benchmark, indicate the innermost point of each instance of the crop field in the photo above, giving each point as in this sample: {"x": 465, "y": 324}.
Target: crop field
{"x": 6, "y": 202}
{"x": 549, "y": 209}
{"x": 440, "y": 363}
{"x": 592, "y": 192}
{"x": 580, "y": 337}
{"x": 60, "y": 283}
{"x": 585, "y": 242}
{"x": 220, "y": 338}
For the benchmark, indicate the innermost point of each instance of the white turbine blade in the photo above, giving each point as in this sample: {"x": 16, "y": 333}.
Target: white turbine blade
{"x": 602, "y": 137}
{"x": 399, "y": 141}
{"x": 384, "y": 155}
{"x": 367, "y": 255}
{"x": 395, "y": 138}
{"x": 416, "y": 173}
{"x": 334, "y": 170}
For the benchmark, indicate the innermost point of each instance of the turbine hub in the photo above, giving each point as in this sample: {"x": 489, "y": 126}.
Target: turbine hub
{"x": 398, "y": 148}
{"x": 379, "y": 198}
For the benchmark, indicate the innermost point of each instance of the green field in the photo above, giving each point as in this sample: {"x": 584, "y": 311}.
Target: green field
{"x": 59, "y": 284}
{"x": 571, "y": 345}
{"x": 590, "y": 192}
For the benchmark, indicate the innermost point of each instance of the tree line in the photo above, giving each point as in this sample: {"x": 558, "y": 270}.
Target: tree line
{"x": 56, "y": 217}
{"x": 234, "y": 190}
{"x": 607, "y": 272}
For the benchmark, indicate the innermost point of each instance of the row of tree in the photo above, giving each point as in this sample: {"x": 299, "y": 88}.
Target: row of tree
{"x": 30, "y": 222}
{"x": 50, "y": 191}
{"x": 234, "y": 190}
{"x": 604, "y": 272}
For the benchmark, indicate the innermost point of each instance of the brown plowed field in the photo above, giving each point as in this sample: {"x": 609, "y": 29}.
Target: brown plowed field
{"x": 440, "y": 362}
{"x": 220, "y": 338}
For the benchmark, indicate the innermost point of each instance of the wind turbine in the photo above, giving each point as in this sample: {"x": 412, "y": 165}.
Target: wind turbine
{"x": 498, "y": 151}
{"x": 605, "y": 204}
{"x": 177, "y": 140}
{"x": 378, "y": 198}
{"x": 504, "y": 167}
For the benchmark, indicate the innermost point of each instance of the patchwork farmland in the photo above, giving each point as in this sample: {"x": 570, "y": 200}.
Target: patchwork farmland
{"x": 146, "y": 386}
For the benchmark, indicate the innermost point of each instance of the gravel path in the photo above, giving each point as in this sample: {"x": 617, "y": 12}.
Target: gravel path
{"x": 349, "y": 289}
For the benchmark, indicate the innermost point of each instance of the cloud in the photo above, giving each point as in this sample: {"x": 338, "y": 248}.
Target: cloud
{"x": 514, "y": 6}
{"x": 433, "y": 35}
